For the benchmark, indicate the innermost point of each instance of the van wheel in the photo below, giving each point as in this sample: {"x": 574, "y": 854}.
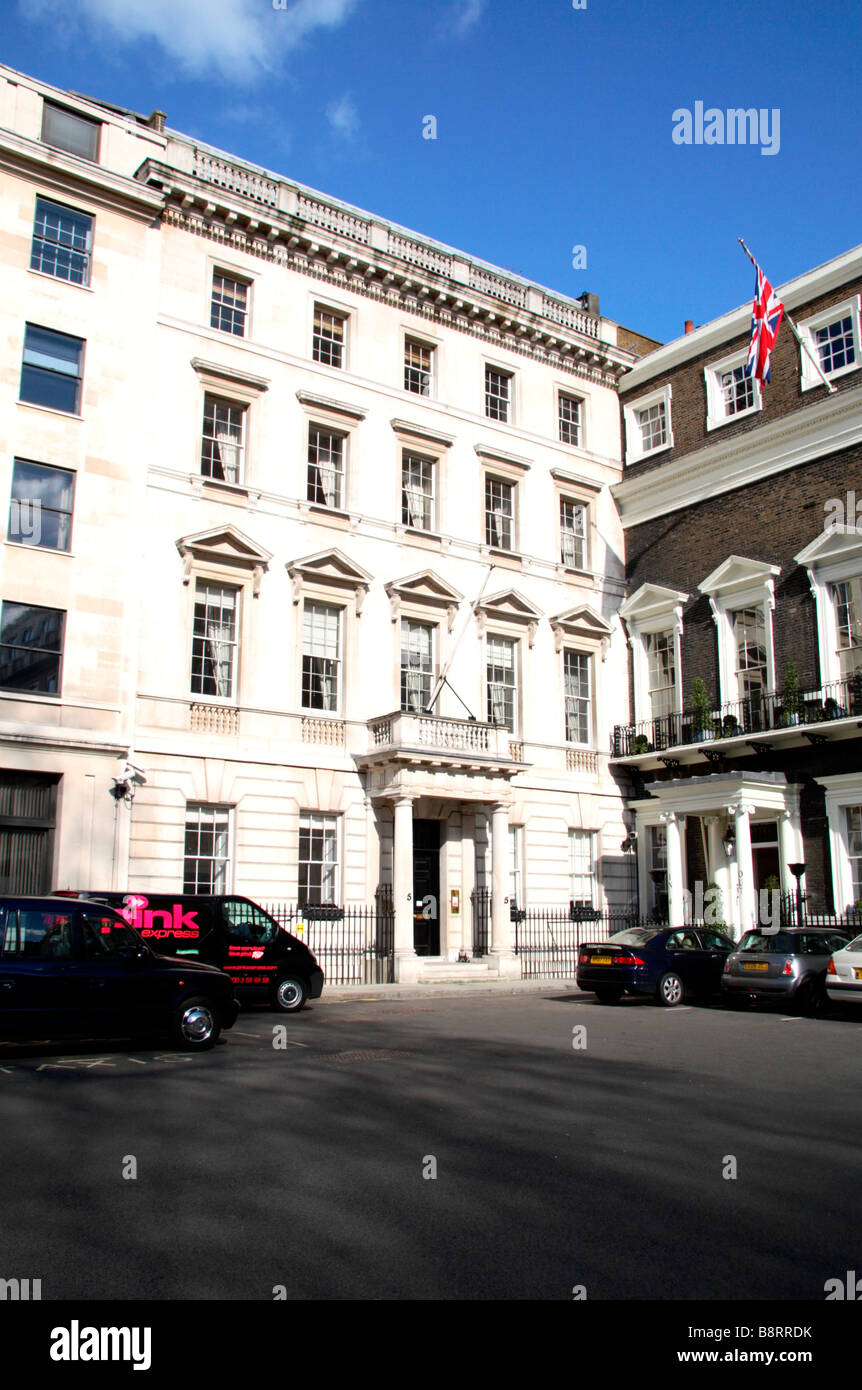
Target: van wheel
{"x": 195, "y": 1026}
{"x": 289, "y": 995}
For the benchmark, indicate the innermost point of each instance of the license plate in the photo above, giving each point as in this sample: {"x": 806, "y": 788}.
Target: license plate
{"x": 857, "y": 972}
{"x": 755, "y": 965}
{"x": 601, "y": 960}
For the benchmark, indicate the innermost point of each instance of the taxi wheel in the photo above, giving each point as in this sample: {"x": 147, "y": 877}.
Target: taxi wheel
{"x": 608, "y": 995}
{"x": 670, "y": 990}
{"x": 289, "y": 995}
{"x": 195, "y": 1026}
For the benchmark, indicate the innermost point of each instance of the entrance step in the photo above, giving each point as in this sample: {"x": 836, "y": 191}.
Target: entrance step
{"x": 453, "y": 972}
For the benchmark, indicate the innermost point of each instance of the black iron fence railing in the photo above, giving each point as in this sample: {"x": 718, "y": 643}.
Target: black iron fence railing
{"x": 480, "y": 902}
{"x": 353, "y": 945}
{"x": 759, "y": 713}
{"x": 547, "y": 939}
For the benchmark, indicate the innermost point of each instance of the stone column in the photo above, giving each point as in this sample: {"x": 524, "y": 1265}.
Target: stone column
{"x": 501, "y": 950}
{"x": 675, "y": 900}
{"x": 406, "y": 960}
{"x": 719, "y": 872}
{"x": 790, "y": 848}
{"x": 745, "y": 869}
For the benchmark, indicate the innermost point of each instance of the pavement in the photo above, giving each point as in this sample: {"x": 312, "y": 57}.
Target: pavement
{"x": 444, "y": 989}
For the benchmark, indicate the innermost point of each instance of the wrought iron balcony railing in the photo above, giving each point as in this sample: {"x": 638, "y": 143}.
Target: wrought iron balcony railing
{"x": 758, "y": 714}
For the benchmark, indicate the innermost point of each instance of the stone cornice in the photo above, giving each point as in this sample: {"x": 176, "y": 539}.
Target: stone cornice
{"x": 464, "y": 297}
{"x": 810, "y": 432}
{"x": 56, "y": 171}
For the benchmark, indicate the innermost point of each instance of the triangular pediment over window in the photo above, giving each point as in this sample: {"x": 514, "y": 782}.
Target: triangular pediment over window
{"x": 583, "y": 624}
{"x": 511, "y": 605}
{"x": 329, "y": 567}
{"x": 737, "y": 572}
{"x": 426, "y": 587}
{"x": 833, "y": 546}
{"x": 223, "y": 545}
{"x": 651, "y": 601}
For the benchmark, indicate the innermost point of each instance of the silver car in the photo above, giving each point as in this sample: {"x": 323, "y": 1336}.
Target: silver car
{"x": 788, "y": 966}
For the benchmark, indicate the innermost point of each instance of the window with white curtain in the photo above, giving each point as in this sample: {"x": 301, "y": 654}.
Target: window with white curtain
{"x": 223, "y": 442}
{"x": 417, "y": 491}
{"x": 502, "y": 679}
{"x": 320, "y": 656}
{"x": 847, "y": 602}
{"x": 576, "y": 676}
{"x": 214, "y": 640}
{"x": 499, "y": 513}
{"x": 417, "y": 664}
{"x": 661, "y": 667}
{"x": 573, "y": 533}
{"x": 325, "y": 466}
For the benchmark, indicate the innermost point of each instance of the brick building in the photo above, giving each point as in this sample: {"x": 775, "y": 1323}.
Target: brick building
{"x": 744, "y": 607}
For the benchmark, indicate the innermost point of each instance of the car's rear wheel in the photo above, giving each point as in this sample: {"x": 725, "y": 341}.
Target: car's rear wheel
{"x": 811, "y": 998}
{"x": 289, "y": 994}
{"x": 606, "y": 994}
{"x": 670, "y": 990}
{"x": 195, "y": 1026}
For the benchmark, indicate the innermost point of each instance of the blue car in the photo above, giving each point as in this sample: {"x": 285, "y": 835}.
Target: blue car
{"x": 668, "y": 963}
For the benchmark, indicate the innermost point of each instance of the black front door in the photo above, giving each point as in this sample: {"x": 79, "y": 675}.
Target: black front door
{"x": 426, "y": 887}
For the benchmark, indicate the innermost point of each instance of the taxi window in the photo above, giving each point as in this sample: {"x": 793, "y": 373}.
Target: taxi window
{"x": 248, "y": 923}
{"x": 106, "y": 935}
{"x": 34, "y": 935}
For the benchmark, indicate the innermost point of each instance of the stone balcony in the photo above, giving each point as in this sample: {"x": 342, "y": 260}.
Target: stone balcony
{"x": 430, "y": 741}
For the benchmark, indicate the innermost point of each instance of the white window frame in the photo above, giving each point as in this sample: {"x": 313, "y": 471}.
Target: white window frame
{"x": 335, "y": 311}
{"x": 433, "y": 463}
{"x": 315, "y": 601}
{"x": 228, "y": 273}
{"x": 337, "y": 432}
{"x": 589, "y": 742}
{"x": 716, "y": 411}
{"x": 86, "y": 254}
{"x": 492, "y": 477}
{"x": 736, "y": 584}
{"x": 849, "y": 308}
{"x": 563, "y": 395}
{"x": 506, "y": 372}
{"x": 578, "y": 838}
{"x": 835, "y": 556}
{"x": 634, "y": 450}
{"x": 649, "y": 610}
{"x": 241, "y": 469}
{"x": 579, "y": 503}
{"x": 843, "y": 790}
{"x": 209, "y": 580}
{"x": 517, "y": 668}
{"x": 410, "y": 340}
{"x": 214, "y": 808}
{"x": 432, "y": 672}
{"x": 314, "y": 820}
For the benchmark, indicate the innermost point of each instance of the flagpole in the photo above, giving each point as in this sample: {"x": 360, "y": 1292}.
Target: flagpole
{"x": 798, "y": 336}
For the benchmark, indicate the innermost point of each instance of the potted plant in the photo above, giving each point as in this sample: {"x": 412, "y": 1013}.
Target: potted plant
{"x": 729, "y": 726}
{"x": 640, "y": 744}
{"x": 831, "y": 708}
{"x": 702, "y": 722}
{"x": 790, "y": 695}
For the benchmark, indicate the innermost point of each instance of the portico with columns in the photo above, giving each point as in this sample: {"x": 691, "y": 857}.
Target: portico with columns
{"x": 721, "y": 808}
{"x": 416, "y": 785}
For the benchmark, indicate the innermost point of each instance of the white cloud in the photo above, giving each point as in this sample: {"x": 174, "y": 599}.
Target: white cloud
{"x": 463, "y": 17}
{"x": 240, "y": 39}
{"x": 343, "y": 117}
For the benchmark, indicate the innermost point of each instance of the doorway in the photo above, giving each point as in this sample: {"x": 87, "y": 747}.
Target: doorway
{"x": 426, "y": 887}
{"x": 766, "y": 862}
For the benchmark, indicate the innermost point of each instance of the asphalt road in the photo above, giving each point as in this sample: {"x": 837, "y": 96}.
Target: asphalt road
{"x": 562, "y": 1159}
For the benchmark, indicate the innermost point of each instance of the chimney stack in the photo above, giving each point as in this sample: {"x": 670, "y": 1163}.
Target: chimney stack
{"x": 157, "y": 121}
{"x": 689, "y": 326}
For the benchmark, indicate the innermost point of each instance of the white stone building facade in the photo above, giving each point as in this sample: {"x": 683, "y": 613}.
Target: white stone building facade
{"x": 275, "y": 466}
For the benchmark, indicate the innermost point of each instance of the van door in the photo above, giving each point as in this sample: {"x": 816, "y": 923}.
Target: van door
{"x": 38, "y": 986}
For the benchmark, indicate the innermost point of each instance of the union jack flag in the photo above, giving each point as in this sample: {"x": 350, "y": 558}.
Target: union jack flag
{"x": 766, "y": 314}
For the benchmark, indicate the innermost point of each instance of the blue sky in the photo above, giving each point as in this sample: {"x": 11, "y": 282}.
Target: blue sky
{"x": 554, "y": 124}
